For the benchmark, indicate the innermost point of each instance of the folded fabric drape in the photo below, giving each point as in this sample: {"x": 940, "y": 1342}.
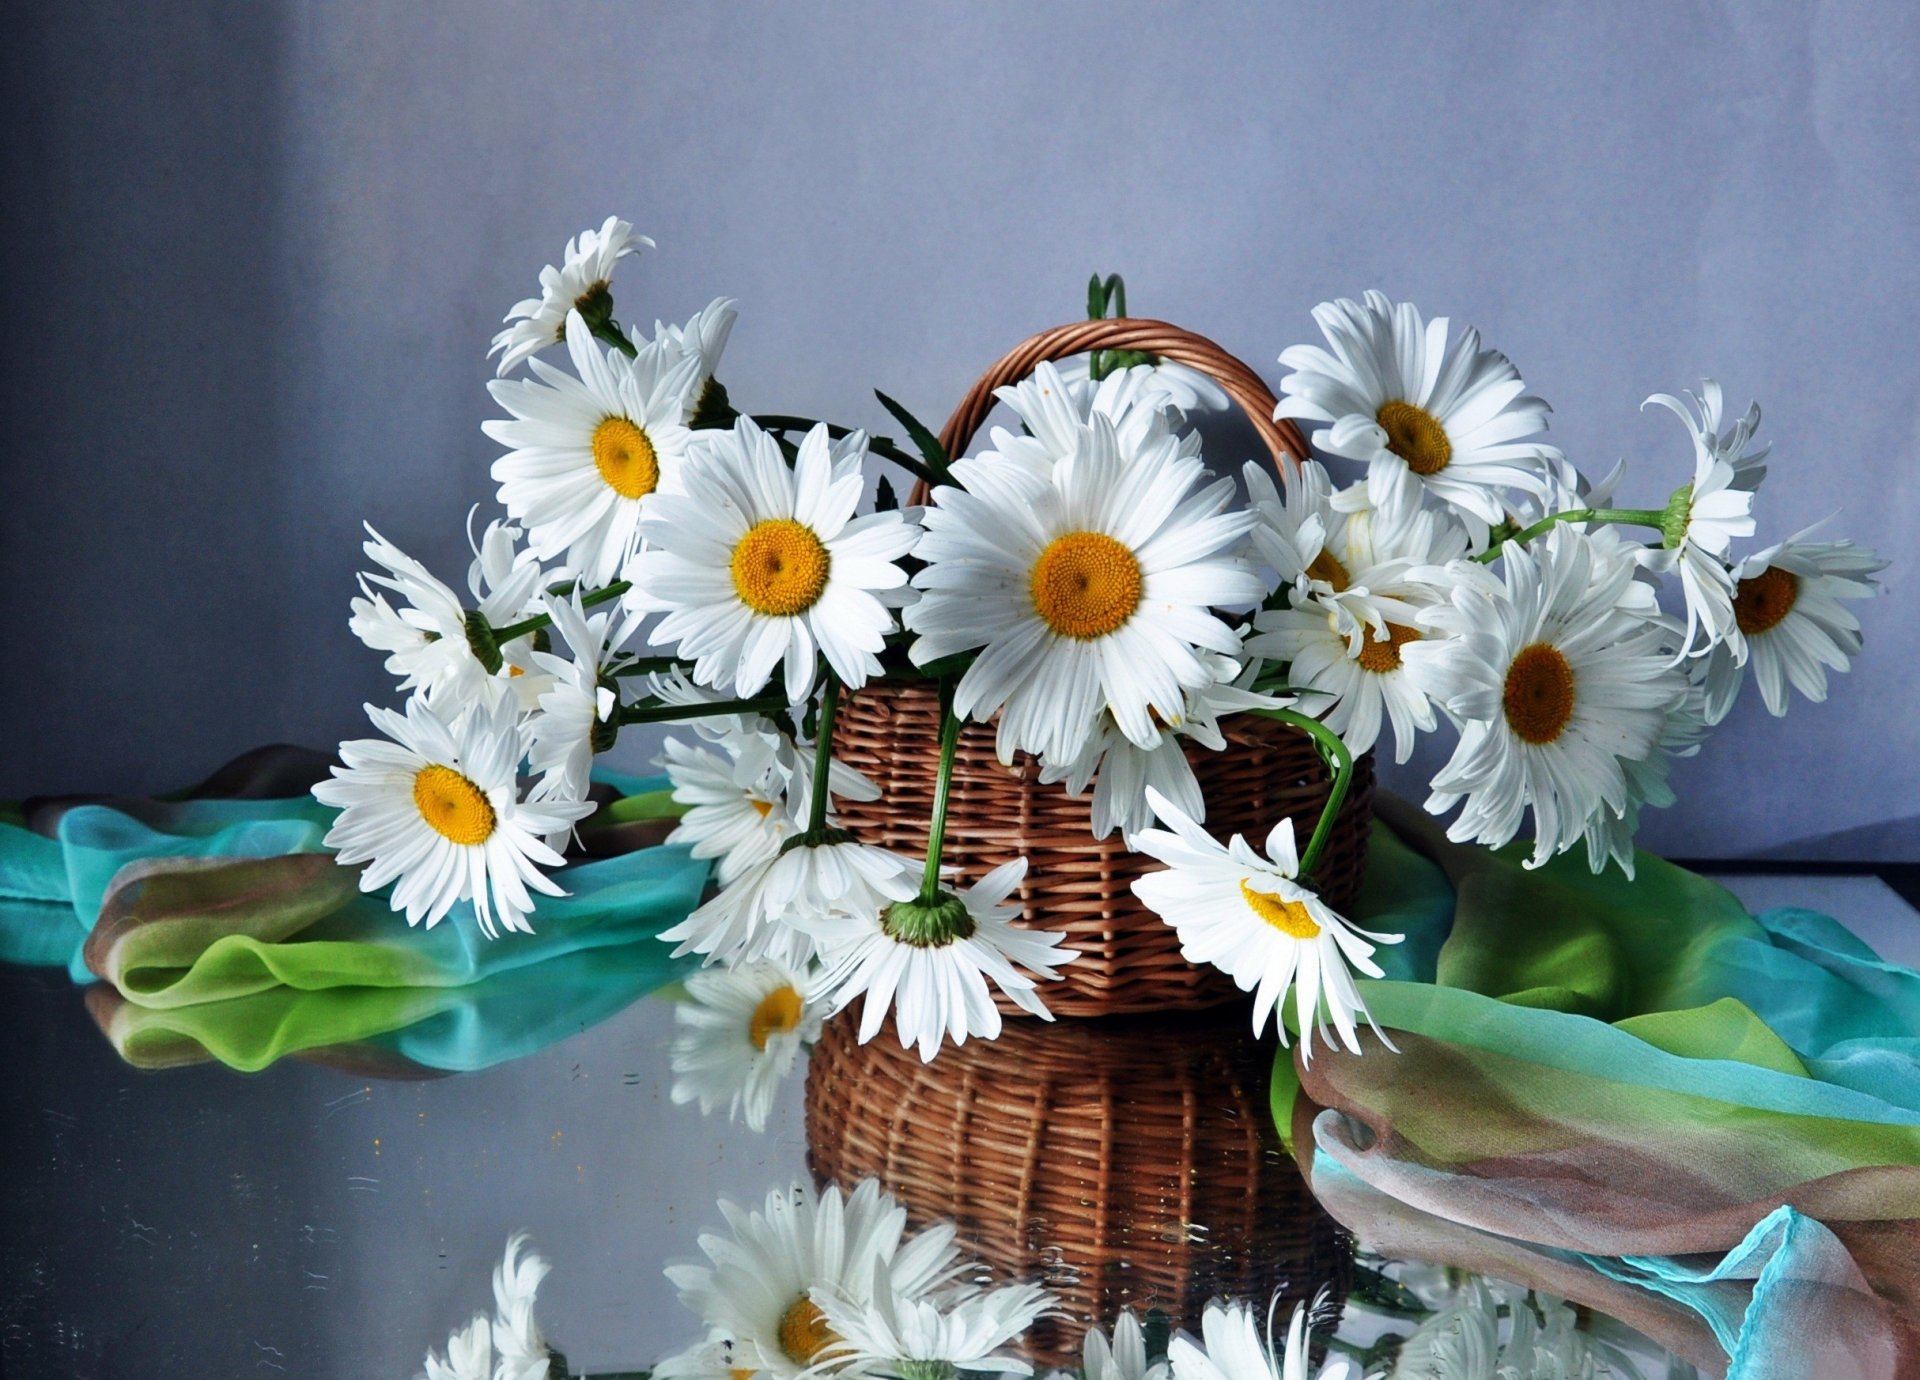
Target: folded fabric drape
{"x": 1606, "y": 1085}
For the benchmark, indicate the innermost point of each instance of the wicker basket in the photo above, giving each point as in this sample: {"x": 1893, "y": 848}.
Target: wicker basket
{"x": 1120, "y": 1164}
{"x": 1076, "y": 884}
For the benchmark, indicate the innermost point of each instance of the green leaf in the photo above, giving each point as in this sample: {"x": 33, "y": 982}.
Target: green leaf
{"x": 1158, "y": 1330}
{"x": 885, "y": 500}
{"x": 923, "y": 440}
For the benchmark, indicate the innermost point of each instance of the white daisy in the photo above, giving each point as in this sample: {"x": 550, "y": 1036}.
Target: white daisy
{"x": 675, "y": 687}
{"x": 919, "y": 1338}
{"x": 1055, "y": 405}
{"x": 759, "y": 564}
{"x": 432, "y": 641}
{"x": 711, "y": 1358}
{"x": 516, "y": 1280}
{"x": 580, "y": 283}
{"x": 588, "y": 455}
{"x": 703, "y": 338}
{"x": 1559, "y": 676}
{"x": 1091, "y": 587}
{"x": 1789, "y": 621}
{"x": 1125, "y": 1357}
{"x": 1733, "y": 444}
{"x": 760, "y": 914}
{"x": 1251, "y": 918}
{"x": 1168, "y": 384}
{"x": 1234, "y": 1349}
{"x": 757, "y": 1291}
{"x": 436, "y": 807}
{"x": 930, "y": 963}
{"x": 1480, "y": 1333}
{"x": 578, "y": 715}
{"x": 1609, "y": 835}
{"x": 1120, "y": 770}
{"x": 1452, "y": 419}
{"x": 469, "y": 1354}
{"x": 1704, "y": 516}
{"x": 740, "y": 1031}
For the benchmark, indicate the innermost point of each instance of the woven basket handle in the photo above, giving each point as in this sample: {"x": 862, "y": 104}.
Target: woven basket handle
{"x": 1283, "y": 438}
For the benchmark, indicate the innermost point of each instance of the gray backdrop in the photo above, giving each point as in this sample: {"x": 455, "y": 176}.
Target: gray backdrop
{"x": 255, "y": 254}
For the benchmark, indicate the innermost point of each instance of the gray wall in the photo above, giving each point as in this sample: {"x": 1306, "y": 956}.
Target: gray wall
{"x": 255, "y": 253}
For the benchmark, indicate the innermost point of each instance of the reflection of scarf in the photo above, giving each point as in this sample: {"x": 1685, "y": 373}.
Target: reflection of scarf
{"x": 1638, "y": 1096}
{"x": 226, "y": 932}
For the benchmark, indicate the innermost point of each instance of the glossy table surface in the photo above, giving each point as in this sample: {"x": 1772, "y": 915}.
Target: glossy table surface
{"x": 325, "y": 1218}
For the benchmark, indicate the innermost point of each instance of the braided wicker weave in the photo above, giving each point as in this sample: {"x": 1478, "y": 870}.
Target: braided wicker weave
{"x": 1076, "y": 884}
{"x": 1120, "y": 1164}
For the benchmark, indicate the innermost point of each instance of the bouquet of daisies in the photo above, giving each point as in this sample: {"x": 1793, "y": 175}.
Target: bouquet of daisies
{"x": 1089, "y": 585}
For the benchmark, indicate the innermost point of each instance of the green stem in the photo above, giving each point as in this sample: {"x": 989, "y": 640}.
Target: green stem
{"x": 675, "y": 713}
{"x": 879, "y": 445}
{"x": 823, "y": 757}
{"x": 1636, "y": 517}
{"x": 541, "y": 620}
{"x": 950, "y": 725}
{"x": 607, "y": 329}
{"x": 1339, "y": 761}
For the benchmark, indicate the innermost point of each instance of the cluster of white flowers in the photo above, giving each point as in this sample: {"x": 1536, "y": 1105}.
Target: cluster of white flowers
{"x": 508, "y": 1345}
{"x": 829, "y": 1283}
{"x": 1088, "y": 585}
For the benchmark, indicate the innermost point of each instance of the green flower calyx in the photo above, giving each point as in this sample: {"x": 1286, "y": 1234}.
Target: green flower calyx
{"x": 928, "y": 924}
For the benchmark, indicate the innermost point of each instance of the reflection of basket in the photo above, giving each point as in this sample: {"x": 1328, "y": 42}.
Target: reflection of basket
{"x": 1077, "y": 884}
{"x": 1119, "y": 1163}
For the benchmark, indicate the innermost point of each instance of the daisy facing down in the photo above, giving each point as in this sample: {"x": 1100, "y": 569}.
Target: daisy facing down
{"x": 435, "y": 804}
{"x": 1250, "y": 917}
{"x": 1235, "y": 1350}
{"x": 758, "y": 565}
{"x": 580, "y": 283}
{"x": 929, "y": 1338}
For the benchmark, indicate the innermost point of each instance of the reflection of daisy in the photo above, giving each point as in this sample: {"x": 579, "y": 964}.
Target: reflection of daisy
{"x": 1250, "y": 917}
{"x": 516, "y": 1280}
{"x": 740, "y": 1031}
{"x": 1789, "y": 621}
{"x": 469, "y": 1354}
{"x": 932, "y": 969}
{"x": 578, "y": 712}
{"x": 1420, "y": 412}
{"x": 1125, "y": 1357}
{"x": 1235, "y": 1350}
{"x": 436, "y": 807}
{"x": 1088, "y": 588}
{"x": 760, "y": 564}
{"x": 580, "y": 283}
{"x": 1559, "y": 676}
{"x": 586, "y": 455}
{"x": 757, "y": 1291}
{"x": 1121, "y": 770}
{"x": 892, "y": 1334}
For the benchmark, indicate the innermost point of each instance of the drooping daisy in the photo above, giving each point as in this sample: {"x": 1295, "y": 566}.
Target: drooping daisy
{"x": 580, "y": 283}
{"x": 1704, "y": 516}
{"x": 931, "y": 964}
{"x": 759, "y": 564}
{"x": 1234, "y": 1349}
{"x": 430, "y": 639}
{"x": 434, "y": 804}
{"x": 1054, "y": 406}
{"x": 757, "y": 1291}
{"x": 914, "y": 1337}
{"x": 1250, "y": 917}
{"x": 587, "y": 455}
{"x": 704, "y": 338}
{"x": 740, "y": 1031}
{"x": 1120, "y": 770}
{"x": 1125, "y": 1357}
{"x": 469, "y": 1353}
{"x": 1610, "y": 836}
{"x": 1559, "y": 676}
{"x": 1509, "y": 1332}
{"x": 1167, "y": 384}
{"x": 516, "y": 1280}
{"x": 762, "y": 913}
{"x": 578, "y": 715}
{"x": 1089, "y": 588}
{"x": 1733, "y": 444}
{"x": 1452, "y": 419}
{"x": 1789, "y": 621}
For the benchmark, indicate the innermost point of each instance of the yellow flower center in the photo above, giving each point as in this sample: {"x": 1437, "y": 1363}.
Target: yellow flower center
{"x": 1539, "y": 693}
{"x": 1761, "y": 601}
{"x": 777, "y": 1013}
{"x": 1085, "y": 584}
{"x": 1326, "y": 567}
{"x": 740, "y": 1373}
{"x": 804, "y": 1333}
{"x": 1382, "y": 654}
{"x": 780, "y": 568}
{"x": 763, "y": 808}
{"x": 623, "y": 453}
{"x": 1416, "y": 436}
{"x": 455, "y": 807}
{"x": 1289, "y": 917}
